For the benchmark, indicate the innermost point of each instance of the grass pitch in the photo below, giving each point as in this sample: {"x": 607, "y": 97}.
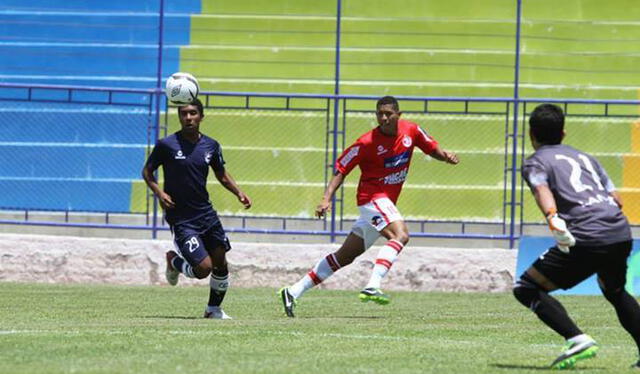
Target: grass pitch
{"x": 107, "y": 329}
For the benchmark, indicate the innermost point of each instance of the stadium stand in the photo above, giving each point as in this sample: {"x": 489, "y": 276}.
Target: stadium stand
{"x": 68, "y": 152}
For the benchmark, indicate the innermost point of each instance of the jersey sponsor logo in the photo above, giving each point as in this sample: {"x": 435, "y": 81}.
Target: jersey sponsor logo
{"x": 406, "y": 141}
{"x": 381, "y": 150}
{"x": 353, "y": 152}
{"x": 180, "y": 156}
{"x": 397, "y": 160}
{"x": 397, "y": 177}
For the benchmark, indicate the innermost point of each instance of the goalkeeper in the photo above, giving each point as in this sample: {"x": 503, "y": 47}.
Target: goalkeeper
{"x": 593, "y": 236}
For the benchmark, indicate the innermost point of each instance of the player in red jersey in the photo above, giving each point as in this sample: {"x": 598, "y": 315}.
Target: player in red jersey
{"x": 383, "y": 155}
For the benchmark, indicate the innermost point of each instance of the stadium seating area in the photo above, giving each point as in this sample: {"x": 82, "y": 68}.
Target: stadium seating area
{"x": 420, "y": 48}
{"x": 80, "y": 157}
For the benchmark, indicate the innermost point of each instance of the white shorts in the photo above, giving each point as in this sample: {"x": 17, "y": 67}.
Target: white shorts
{"x": 375, "y": 216}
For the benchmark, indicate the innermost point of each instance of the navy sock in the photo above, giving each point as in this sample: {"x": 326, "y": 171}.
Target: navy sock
{"x": 219, "y": 283}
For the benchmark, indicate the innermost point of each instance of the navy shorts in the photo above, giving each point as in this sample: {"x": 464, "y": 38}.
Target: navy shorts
{"x": 194, "y": 239}
{"x": 566, "y": 270}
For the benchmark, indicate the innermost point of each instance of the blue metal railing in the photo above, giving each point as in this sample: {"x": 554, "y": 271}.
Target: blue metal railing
{"x": 152, "y": 99}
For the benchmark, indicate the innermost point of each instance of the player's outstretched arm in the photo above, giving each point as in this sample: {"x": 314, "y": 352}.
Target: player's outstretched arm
{"x": 325, "y": 203}
{"x": 165, "y": 200}
{"x": 227, "y": 181}
{"x": 446, "y": 156}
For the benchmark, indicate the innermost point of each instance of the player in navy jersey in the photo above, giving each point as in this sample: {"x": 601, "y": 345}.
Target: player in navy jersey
{"x": 198, "y": 235}
{"x": 593, "y": 236}
{"x": 383, "y": 156}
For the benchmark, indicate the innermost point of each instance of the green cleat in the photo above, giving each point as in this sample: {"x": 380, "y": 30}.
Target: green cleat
{"x": 375, "y": 295}
{"x": 574, "y": 352}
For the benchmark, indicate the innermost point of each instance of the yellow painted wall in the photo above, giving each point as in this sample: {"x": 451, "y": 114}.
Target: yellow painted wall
{"x": 631, "y": 177}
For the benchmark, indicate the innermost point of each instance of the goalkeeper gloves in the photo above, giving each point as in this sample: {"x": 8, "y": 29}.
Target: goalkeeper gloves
{"x": 561, "y": 234}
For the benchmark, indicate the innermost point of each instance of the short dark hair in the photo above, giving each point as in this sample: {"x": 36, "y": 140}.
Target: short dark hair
{"x": 388, "y": 100}
{"x": 195, "y": 102}
{"x": 547, "y": 124}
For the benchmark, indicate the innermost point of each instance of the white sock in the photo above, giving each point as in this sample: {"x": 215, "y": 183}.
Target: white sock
{"x": 187, "y": 270}
{"x": 219, "y": 283}
{"x": 386, "y": 257}
{"x": 323, "y": 270}
{"x": 182, "y": 266}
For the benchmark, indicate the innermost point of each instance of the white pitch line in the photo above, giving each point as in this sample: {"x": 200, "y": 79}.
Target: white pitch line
{"x": 426, "y": 338}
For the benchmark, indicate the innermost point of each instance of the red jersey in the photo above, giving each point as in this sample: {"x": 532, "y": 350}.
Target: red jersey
{"x": 384, "y": 160}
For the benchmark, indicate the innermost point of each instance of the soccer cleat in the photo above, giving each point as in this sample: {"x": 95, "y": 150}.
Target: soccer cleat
{"x": 288, "y": 302}
{"x": 171, "y": 274}
{"x": 375, "y": 295}
{"x": 573, "y": 352}
{"x": 215, "y": 312}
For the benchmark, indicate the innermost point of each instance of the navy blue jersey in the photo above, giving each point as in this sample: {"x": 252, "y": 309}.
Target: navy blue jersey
{"x": 186, "y": 167}
{"x": 581, "y": 188}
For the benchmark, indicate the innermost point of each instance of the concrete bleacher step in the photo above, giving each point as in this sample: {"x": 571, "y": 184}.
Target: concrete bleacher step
{"x": 35, "y": 122}
{"x": 71, "y": 161}
{"x": 66, "y": 194}
{"x": 112, "y": 43}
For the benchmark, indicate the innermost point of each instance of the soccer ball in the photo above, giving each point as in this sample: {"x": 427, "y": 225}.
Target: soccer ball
{"x": 182, "y": 88}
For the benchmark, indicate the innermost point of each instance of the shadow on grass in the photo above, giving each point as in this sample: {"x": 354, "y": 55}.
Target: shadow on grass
{"x": 346, "y": 317}
{"x": 172, "y": 317}
{"x": 531, "y": 367}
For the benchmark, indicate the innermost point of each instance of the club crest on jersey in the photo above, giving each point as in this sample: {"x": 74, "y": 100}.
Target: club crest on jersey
{"x": 180, "y": 156}
{"x": 376, "y": 220}
{"x": 207, "y": 157}
{"x": 406, "y": 141}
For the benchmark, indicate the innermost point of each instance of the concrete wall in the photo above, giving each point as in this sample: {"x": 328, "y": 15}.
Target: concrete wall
{"x": 61, "y": 259}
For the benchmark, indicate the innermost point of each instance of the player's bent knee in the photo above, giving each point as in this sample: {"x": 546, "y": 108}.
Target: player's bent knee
{"x": 612, "y": 294}
{"x": 345, "y": 260}
{"x": 527, "y": 292}
{"x": 525, "y": 295}
{"x": 201, "y": 273}
{"x": 202, "y": 270}
{"x": 402, "y": 237}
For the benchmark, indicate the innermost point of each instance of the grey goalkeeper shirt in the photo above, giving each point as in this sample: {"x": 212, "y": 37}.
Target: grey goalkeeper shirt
{"x": 581, "y": 188}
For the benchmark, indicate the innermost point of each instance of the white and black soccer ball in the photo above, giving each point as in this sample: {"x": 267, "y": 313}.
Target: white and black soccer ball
{"x": 182, "y": 88}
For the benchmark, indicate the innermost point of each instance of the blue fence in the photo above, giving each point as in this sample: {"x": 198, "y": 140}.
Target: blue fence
{"x": 79, "y": 151}
{"x": 74, "y": 139}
